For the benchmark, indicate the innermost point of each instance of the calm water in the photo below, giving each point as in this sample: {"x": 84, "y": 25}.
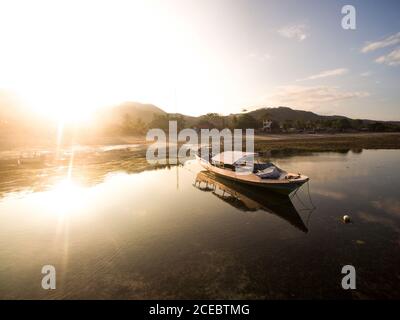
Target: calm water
{"x": 180, "y": 233}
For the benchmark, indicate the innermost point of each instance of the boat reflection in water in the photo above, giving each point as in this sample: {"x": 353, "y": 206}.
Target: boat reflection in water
{"x": 247, "y": 198}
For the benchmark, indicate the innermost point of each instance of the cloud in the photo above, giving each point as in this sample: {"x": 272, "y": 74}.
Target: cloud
{"x": 260, "y": 57}
{"x": 311, "y": 96}
{"x": 330, "y": 194}
{"x": 388, "y": 41}
{"x": 297, "y": 32}
{"x": 327, "y": 73}
{"x": 373, "y": 218}
{"x": 391, "y": 59}
{"x": 389, "y": 205}
{"x": 366, "y": 74}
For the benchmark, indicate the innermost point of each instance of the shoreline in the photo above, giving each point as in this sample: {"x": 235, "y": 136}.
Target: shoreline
{"x": 327, "y": 142}
{"x": 269, "y": 142}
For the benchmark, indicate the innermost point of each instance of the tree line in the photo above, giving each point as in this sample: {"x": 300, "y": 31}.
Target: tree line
{"x": 135, "y": 125}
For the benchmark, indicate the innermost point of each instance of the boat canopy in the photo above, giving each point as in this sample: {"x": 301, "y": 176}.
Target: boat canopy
{"x": 232, "y": 157}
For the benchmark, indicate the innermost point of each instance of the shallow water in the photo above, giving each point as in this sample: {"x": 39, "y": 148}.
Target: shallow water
{"x": 178, "y": 233}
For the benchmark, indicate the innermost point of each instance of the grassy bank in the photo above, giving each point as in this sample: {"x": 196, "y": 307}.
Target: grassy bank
{"x": 320, "y": 143}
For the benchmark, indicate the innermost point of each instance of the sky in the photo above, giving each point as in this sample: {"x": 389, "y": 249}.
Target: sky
{"x": 69, "y": 58}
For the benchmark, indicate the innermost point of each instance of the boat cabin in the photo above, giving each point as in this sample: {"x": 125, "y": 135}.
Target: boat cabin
{"x": 232, "y": 160}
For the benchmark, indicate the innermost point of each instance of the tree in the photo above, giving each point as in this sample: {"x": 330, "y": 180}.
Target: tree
{"x": 376, "y": 126}
{"x": 215, "y": 119}
{"x": 127, "y": 124}
{"x": 342, "y": 124}
{"x": 234, "y": 122}
{"x": 287, "y": 124}
{"x": 180, "y": 121}
{"x": 299, "y": 124}
{"x": 328, "y": 123}
{"x": 358, "y": 124}
{"x": 204, "y": 124}
{"x": 274, "y": 126}
{"x": 139, "y": 126}
{"x": 162, "y": 122}
{"x": 246, "y": 121}
{"x": 159, "y": 122}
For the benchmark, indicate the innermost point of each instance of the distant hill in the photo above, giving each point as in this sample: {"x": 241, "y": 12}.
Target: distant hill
{"x": 281, "y": 114}
{"x": 278, "y": 114}
{"x": 135, "y": 118}
{"x": 285, "y": 118}
{"x": 133, "y": 110}
{"x": 147, "y": 112}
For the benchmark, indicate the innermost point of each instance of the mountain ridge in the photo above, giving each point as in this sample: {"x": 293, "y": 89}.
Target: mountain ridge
{"x": 126, "y": 116}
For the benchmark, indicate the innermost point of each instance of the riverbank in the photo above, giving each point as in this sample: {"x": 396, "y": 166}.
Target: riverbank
{"x": 327, "y": 142}
{"x": 271, "y": 142}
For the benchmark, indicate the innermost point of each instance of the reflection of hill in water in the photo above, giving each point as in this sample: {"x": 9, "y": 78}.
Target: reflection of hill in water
{"x": 247, "y": 198}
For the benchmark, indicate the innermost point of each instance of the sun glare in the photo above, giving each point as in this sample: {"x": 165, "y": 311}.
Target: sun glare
{"x": 65, "y": 197}
{"x": 48, "y": 107}
{"x": 65, "y": 68}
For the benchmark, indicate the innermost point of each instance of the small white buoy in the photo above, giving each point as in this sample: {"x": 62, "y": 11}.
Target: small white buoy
{"x": 346, "y": 219}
